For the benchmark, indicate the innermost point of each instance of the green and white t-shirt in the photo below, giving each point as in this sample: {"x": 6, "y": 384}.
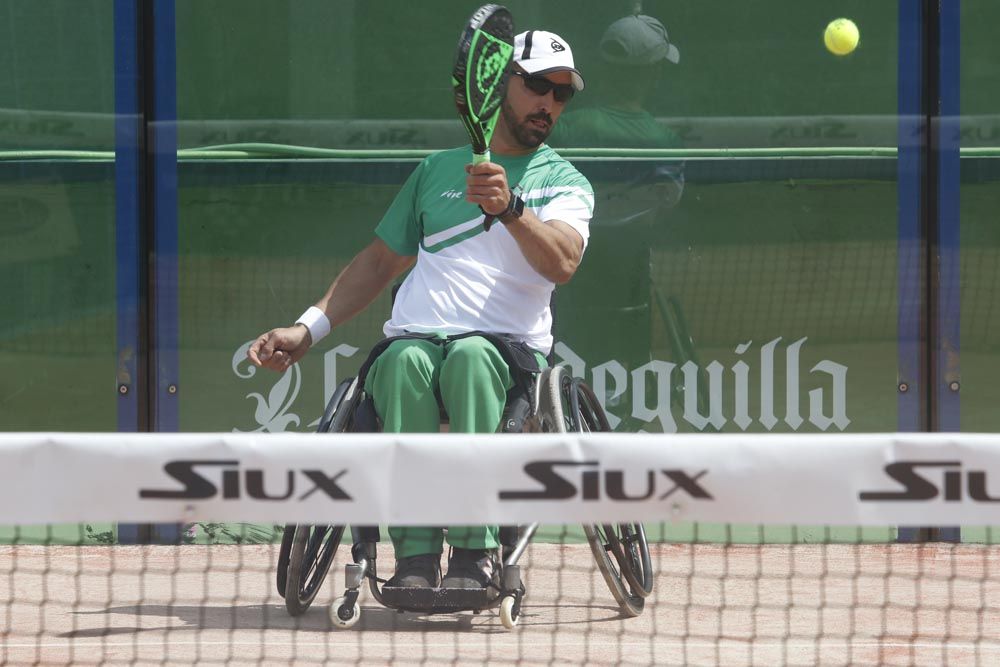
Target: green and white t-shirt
{"x": 467, "y": 279}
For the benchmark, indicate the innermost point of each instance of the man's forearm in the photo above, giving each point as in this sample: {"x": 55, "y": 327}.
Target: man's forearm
{"x": 553, "y": 249}
{"x": 361, "y": 282}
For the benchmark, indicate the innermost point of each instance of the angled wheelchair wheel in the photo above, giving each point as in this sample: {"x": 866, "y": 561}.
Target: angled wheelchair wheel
{"x": 307, "y": 552}
{"x": 310, "y": 557}
{"x": 626, "y": 541}
{"x": 621, "y": 550}
{"x": 283, "y": 554}
{"x": 630, "y": 598}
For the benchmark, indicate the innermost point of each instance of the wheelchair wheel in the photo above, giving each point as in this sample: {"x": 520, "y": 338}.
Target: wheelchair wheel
{"x": 630, "y": 598}
{"x": 621, "y": 550}
{"x": 310, "y": 557}
{"x": 627, "y": 541}
{"x": 307, "y": 552}
{"x": 283, "y": 554}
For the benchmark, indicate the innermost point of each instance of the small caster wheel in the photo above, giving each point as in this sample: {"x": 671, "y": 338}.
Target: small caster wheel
{"x": 342, "y": 615}
{"x": 508, "y": 616}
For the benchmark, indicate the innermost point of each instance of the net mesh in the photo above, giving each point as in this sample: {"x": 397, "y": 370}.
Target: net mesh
{"x": 722, "y": 594}
{"x": 713, "y": 604}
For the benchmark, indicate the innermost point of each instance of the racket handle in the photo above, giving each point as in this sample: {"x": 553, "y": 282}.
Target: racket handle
{"x": 479, "y": 158}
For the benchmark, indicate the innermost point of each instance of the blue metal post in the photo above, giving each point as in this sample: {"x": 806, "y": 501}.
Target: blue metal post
{"x": 166, "y": 318}
{"x": 947, "y": 324}
{"x": 130, "y": 376}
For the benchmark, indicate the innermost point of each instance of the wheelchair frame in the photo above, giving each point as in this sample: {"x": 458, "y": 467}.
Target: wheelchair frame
{"x": 556, "y": 402}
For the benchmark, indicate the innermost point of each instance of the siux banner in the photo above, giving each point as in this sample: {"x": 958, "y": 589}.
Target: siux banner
{"x": 441, "y": 479}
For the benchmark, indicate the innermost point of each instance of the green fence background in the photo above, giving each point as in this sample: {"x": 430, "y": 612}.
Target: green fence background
{"x": 780, "y": 251}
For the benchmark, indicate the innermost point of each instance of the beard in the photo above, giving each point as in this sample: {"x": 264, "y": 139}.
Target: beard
{"x": 527, "y": 132}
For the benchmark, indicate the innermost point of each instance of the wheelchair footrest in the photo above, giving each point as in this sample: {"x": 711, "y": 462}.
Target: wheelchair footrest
{"x": 437, "y": 599}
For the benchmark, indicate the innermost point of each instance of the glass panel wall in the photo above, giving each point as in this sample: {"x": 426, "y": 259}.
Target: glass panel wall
{"x": 979, "y": 231}
{"x": 57, "y": 216}
{"x": 976, "y": 358}
{"x": 58, "y": 359}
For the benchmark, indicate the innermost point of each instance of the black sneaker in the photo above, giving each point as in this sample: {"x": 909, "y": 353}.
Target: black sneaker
{"x": 469, "y": 568}
{"x": 421, "y": 571}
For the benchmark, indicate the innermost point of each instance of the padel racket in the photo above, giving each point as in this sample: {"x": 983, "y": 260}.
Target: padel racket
{"x": 482, "y": 66}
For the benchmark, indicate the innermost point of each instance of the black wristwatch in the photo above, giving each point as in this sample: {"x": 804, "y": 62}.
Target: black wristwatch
{"x": 515, "y": 207}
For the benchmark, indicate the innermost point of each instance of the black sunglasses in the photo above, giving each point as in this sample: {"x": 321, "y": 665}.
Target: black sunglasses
{"x": 539, "y": 85}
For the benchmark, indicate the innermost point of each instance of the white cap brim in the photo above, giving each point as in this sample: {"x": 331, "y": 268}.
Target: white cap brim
{"x": 547, "y": 66}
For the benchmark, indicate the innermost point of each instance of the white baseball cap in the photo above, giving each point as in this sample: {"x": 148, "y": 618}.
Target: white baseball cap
{"x": 541, "y": 52}
{"x": 638, "y": 40}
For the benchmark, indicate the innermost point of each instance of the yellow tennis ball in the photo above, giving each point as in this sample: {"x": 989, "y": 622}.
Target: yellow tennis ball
{"x": 841, "y": 36}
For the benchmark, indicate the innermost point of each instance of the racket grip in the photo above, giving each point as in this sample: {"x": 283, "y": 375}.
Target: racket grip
{"x": 479, "y": 158}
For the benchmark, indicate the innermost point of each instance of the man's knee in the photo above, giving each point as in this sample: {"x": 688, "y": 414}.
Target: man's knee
{"x": 406, "y": 358}
{"x": 473, "y": 357}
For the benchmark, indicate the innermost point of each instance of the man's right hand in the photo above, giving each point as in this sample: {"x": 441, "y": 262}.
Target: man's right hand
{"x": 278, "y": 349}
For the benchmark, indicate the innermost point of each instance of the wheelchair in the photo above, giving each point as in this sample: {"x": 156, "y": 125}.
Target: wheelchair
{"x": 551, "y": 401}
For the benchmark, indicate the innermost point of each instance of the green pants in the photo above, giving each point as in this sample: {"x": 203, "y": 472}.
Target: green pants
{"x": 473, "y": 380}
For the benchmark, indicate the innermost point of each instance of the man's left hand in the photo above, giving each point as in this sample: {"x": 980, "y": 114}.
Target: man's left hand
{"x": 486, "y": 185}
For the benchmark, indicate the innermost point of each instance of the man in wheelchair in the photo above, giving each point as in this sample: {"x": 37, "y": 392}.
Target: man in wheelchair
{"x": 473, "y": 315}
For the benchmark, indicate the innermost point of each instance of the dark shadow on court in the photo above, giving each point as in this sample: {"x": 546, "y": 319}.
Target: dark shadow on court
{"x": 204, "y": 617}
{"x": 381, "y": 619}
{"x": 373, "y": 618}
{"x": 90, "y": 633}
{"x": 535, "y": 615}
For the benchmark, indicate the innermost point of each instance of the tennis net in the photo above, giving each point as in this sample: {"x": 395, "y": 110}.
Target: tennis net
{"x": 762, "y": 550}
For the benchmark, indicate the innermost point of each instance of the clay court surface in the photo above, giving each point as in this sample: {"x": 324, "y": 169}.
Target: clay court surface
{"x": 712, "y": 605}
